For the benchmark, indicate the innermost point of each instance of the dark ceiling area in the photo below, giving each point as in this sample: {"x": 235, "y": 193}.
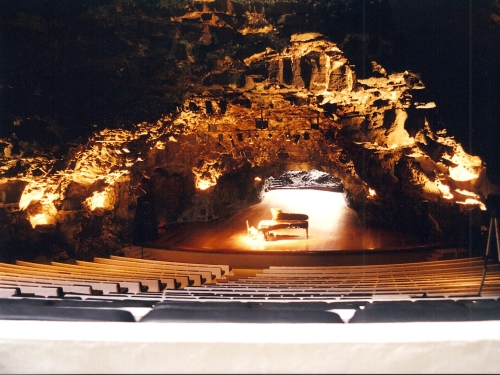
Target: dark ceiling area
{"x": 453, "y": 44}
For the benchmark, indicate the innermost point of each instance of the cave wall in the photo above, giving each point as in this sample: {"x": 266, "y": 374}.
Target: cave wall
{"x": 241, "y": 103}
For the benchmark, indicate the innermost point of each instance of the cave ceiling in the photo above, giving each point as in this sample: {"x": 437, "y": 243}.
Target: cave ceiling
{"x": 195, "y": 103}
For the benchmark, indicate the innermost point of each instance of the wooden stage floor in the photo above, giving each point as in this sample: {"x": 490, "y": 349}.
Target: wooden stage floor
{"x": 332, "y": 227}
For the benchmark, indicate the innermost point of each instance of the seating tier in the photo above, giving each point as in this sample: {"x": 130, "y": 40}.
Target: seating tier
{"x": 155, "y": 292}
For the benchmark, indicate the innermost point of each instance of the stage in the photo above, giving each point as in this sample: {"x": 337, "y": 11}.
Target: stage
{"x": 336, "y": 236}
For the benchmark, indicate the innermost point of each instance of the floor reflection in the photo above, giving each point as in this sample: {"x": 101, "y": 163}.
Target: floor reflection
{"x": 332, "y": 226}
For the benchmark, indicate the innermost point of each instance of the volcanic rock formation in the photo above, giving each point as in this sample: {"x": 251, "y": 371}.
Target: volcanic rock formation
{"x": 296, "y": 107}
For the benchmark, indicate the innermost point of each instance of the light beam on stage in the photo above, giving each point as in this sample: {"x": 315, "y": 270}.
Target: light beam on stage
{"x": 325, "y": 209}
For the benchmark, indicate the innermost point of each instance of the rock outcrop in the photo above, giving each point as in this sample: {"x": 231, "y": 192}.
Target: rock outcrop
{"x": 252, "y": 116}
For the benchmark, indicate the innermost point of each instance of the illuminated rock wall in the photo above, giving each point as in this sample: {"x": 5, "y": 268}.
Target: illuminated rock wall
{"x": 300, "y": 107}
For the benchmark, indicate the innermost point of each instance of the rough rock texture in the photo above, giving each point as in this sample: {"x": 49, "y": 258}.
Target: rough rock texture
{"x": 239, "y": 116}
{"x": 312, "y": 179}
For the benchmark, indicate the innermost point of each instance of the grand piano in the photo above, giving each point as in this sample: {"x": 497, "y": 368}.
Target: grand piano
{"x": 283, "y": 220}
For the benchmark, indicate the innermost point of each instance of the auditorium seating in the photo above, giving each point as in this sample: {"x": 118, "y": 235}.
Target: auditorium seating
{"x": 219, "y": 270}
{"x": 122, "y": 312}
{"x": 24, "y": 312}
{"x": 445, "y": 290}
{"x": 152, "y": 284}
{"x": 428, "y": 311}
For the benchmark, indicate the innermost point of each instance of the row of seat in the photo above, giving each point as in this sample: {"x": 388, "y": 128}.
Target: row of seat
{"x": 246, "y": 312}
{"x": 139, "y": 290}
{"x": 446, "y": 278}
{"x": 321, "y": 312}
{"x": 122, "y": 275}
{"x": 438, "y": 279}
{"x": 104, "y": 276}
